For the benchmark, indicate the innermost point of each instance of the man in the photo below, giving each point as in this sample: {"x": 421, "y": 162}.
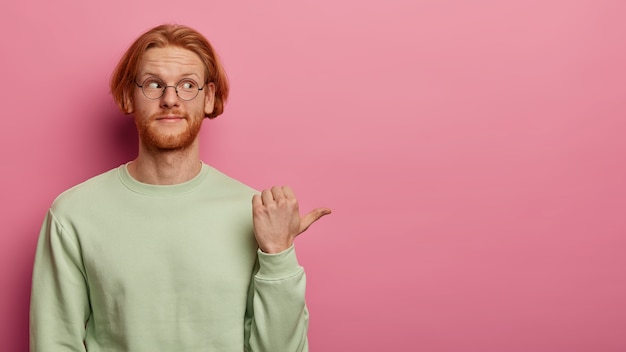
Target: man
{"x": 165, "y": 253}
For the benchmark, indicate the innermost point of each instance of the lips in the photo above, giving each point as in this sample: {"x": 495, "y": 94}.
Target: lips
{"x": 170, "y": 119}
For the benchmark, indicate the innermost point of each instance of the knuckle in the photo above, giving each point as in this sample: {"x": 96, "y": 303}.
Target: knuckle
{"x": 259, "y": 207}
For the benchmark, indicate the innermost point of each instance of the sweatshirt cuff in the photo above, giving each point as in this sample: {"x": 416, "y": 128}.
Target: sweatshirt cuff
{"x": 279, "y": 265}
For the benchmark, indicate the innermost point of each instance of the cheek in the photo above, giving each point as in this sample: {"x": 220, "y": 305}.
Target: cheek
{"x": 196, "y": 109}
{"x": 143, "y": 108}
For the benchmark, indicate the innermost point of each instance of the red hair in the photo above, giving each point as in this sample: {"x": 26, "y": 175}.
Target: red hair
{"x": 123, "y": 78}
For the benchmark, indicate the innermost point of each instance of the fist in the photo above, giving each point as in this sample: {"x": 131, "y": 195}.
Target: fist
{"x": 277, "y": 221}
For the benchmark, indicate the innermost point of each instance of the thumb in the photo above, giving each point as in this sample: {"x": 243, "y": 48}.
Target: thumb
{"x": 312, "y": 217}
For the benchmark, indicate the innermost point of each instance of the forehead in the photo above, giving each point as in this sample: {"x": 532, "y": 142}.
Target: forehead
{"x": 170, "y": 61}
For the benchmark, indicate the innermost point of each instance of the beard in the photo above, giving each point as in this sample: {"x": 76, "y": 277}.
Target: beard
{"x": 151, "y": 137}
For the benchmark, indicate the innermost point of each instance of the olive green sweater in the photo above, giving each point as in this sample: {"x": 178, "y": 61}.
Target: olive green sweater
{"x": 126, "y": 266}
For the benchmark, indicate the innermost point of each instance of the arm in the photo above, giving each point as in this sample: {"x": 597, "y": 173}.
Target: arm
{"x": 59, "y": 305}
{"x": 277, "y": 317}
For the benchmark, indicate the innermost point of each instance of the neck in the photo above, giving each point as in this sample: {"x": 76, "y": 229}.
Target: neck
{"x": 166, "y": 167}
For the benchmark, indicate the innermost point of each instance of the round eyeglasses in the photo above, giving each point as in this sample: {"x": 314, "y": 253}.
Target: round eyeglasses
{"x": 154, "y": 88}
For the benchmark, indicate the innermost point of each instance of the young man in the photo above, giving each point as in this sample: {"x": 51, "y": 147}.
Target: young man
{"x": 165, "y": 253}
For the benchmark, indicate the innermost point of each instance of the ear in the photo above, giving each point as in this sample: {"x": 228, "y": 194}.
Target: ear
{"x": 209, "y": 98}
{"x": 128, "y": 104}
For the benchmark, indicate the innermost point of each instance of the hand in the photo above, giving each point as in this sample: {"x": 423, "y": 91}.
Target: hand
{"x": 277, "y": 220}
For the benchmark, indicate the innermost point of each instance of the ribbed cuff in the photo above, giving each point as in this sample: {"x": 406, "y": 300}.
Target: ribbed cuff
{"x": 278, "y": 266}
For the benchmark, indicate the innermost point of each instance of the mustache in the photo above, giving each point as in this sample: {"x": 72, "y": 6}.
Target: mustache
{"x": 169, "y": 113}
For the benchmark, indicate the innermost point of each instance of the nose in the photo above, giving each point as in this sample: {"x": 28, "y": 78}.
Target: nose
{"x": 169, "y": 99}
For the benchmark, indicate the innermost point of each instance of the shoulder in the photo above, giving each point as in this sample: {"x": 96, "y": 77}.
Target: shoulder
{"x": 87, "y": 191}
{"x": 224, "y": 184}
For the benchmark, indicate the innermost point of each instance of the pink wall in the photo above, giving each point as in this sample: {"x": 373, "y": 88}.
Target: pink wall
{"x": 473, "y": 153}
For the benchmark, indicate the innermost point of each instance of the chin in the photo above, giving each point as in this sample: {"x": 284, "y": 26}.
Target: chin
{"x": 172, "y": 142}
{"x": 169, "y": 142}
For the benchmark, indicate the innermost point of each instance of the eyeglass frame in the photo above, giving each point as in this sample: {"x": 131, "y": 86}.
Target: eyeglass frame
{"x": 166, "y": 86}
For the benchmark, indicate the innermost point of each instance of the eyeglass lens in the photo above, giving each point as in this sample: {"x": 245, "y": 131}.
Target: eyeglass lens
{"x": 154, "y": 88}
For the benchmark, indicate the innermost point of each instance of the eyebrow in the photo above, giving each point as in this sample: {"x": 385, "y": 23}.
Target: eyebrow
{"x": 183, "y": 76}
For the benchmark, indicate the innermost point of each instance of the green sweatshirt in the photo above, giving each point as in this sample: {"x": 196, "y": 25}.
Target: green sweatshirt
{"x": 127, "y": 266}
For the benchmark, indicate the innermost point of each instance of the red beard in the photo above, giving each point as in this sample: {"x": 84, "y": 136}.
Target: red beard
{"x": 152, "y": 138}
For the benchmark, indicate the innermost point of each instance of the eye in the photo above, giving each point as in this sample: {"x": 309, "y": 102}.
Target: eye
{"x": 187, "y": 84}
{"x": 152, "y": 83}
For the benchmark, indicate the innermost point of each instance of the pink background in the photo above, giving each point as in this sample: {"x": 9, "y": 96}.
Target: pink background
{"x": 473, "y": 153}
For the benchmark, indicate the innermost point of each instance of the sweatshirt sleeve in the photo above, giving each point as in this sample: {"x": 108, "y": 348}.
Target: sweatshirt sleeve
{"x": 59, "y": 305}
{"x": 277, "y": 317}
